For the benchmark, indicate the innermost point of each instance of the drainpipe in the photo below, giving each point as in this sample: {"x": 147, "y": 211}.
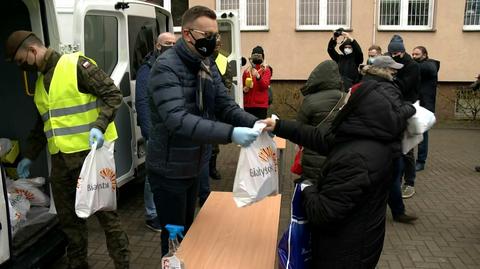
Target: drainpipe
{"x": 374, "y": 31}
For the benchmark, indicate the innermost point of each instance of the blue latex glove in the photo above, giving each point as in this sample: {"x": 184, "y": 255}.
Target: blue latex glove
{"x": 244, "y": 136}
{"x": 96, "y": 135}
{"x": 23, "y": 168}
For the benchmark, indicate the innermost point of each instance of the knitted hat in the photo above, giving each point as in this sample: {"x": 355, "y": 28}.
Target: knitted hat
{"x": 396, "y": 44}
{"x": 258, "y": 50}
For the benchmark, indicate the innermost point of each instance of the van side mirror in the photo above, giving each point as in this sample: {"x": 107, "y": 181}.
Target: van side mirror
{"x": 244, "y": 61}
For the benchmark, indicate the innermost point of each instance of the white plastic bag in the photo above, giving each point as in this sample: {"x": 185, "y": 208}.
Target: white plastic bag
{"x": 97, "y": 183}
{"x": 410, "y": 141}
{"x": 421, "y": 122}
{"x": 18, "y": 207}
{"x": 29, "y": 189}
{"x": 257, "y": 170}
{"x": 418, "y": 124}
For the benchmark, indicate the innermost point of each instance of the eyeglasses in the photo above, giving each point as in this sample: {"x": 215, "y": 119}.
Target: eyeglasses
{"x": 207, "y": 35}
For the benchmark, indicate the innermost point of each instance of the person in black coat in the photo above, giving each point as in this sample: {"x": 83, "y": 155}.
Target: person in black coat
{"x": 408, "y": 79}
{"x": 350, "y": 59}
{"x": 428, "y": 92}
{"x": 346, "y": 208}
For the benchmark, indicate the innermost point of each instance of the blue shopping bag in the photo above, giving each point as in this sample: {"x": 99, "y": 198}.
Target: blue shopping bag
{"x": 294, "y": 248}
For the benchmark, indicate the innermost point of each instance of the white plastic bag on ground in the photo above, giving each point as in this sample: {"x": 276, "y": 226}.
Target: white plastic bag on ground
{"x": 18, "y": 207}
{"x": 29, "y": 189}
{"x": 97, "y": 183}
{"x": 257, "y": 170}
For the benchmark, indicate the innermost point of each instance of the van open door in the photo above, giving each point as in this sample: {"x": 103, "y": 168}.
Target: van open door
{"x": 229, "y": 28}
{"x": 117, "y": 35}
{"x": 4, "y": 221}
{"x": 36, "y": 240}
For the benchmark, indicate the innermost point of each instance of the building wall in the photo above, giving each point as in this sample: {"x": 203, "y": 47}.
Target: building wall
{"x": 293, "y": 54}
{"x": 287, "y": 99}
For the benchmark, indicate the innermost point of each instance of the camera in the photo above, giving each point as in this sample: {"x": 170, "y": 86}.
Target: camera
{"x": 338, "y": 32}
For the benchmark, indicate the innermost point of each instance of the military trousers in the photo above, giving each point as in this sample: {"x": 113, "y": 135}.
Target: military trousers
{"x": 65, "y": 172}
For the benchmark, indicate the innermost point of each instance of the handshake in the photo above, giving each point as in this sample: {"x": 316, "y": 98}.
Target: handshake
{"x": 244, "y": 136}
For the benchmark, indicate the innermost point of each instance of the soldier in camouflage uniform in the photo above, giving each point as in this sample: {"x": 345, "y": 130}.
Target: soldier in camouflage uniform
{"x": 24, "y": 47}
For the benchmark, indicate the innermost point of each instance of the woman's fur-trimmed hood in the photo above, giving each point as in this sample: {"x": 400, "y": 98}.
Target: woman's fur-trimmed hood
{"x": 377, "y": 71}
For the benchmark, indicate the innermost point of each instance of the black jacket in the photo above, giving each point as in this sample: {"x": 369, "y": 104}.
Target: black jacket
{"x": 180, "y": 128}
{"x": 346, "y": 209}
{"x": 408, "y": 78}
{"x": 347, "y": 64}
{"x": 322, "y": 92}
{"x": 428, "y": 83}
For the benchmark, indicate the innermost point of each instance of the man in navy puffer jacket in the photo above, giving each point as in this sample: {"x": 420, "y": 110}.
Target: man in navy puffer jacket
{"x": 190, "y": 109}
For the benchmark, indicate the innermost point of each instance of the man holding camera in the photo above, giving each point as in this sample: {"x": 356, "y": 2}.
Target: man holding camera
{"x": 350, "y": 59}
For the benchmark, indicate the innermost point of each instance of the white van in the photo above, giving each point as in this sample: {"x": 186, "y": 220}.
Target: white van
{"x": 116, "y": 35}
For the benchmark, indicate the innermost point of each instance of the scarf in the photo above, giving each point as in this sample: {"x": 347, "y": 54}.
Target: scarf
{"x": 205, "y": 81}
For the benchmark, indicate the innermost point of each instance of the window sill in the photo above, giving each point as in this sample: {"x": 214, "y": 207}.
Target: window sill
{"x": 349, "y": 30}
{"x": 471, "y": 28}
{"x": 255, "y": 30}
{"x": 406, "y": 30}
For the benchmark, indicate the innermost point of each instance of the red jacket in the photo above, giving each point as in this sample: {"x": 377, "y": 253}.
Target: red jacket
{"x": 258, "y": 95}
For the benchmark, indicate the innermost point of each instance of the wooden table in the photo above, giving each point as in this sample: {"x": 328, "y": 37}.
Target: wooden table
{"x": 226, "y": 237}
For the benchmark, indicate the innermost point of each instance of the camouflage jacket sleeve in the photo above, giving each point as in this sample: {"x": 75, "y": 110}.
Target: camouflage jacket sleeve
{"x": 93, "y": 80}
{"x": 36, "y": 140}
{"x": 227, "y": 78}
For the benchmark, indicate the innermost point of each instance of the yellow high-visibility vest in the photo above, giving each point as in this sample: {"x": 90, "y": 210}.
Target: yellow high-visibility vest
{"x": 68, "y": 114}
{"x": 222, "y": 63}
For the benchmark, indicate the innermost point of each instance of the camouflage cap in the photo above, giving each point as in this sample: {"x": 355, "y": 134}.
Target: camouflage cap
{"x": 14, "y": 42}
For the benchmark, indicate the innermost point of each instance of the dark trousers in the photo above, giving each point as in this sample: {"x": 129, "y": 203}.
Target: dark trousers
{"x": 204, "y": 185}
{"x": 423, "y": 149}
{"x": 395, "y": 201}
{"x": 258, "y": 112}
{"x": 409, "y": 171}
{"x": 65, "y": 171}
{"x": 175, "y": 200}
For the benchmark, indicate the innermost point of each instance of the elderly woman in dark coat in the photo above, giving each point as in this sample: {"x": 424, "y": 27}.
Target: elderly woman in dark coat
{"x": 346, "y": 208}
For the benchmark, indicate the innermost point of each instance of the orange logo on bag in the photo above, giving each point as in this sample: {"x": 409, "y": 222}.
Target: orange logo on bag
{"x": 109, "y": 174}
{"x": 267, "y": 153}
{"x": 25, "y": 193}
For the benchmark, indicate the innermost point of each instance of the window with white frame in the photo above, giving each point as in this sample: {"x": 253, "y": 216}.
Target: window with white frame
{"x": 406, "y": 14}
{"x": 323, "y": 14}
{"x": 253, "y": 13}
{"x": 471, "y": 19}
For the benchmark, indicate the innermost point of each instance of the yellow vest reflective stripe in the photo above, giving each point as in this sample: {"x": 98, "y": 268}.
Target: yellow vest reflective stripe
{"x": 222, "y": 63}
{"x": 68, "y": 114}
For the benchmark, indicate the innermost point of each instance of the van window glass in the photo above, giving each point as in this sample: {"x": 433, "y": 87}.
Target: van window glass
{"x": 225, "y": 30}
{"x": 142, "y": 33}
{"x": 101, "y": 41}
{"x": 178, "y": 8}
{"x": 162, "y": 21}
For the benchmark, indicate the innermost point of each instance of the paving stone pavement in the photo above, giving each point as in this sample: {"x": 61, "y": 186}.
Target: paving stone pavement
{"x": 446, "y": 235}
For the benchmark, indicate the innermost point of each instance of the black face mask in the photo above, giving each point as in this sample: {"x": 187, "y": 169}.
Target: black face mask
{"x": 25, "y": 66}
{"x": 205, "y": 46}
{"x": 164, "y": 48}
{"x": 257, "y": 61}
{"x": 397, "y": 58}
